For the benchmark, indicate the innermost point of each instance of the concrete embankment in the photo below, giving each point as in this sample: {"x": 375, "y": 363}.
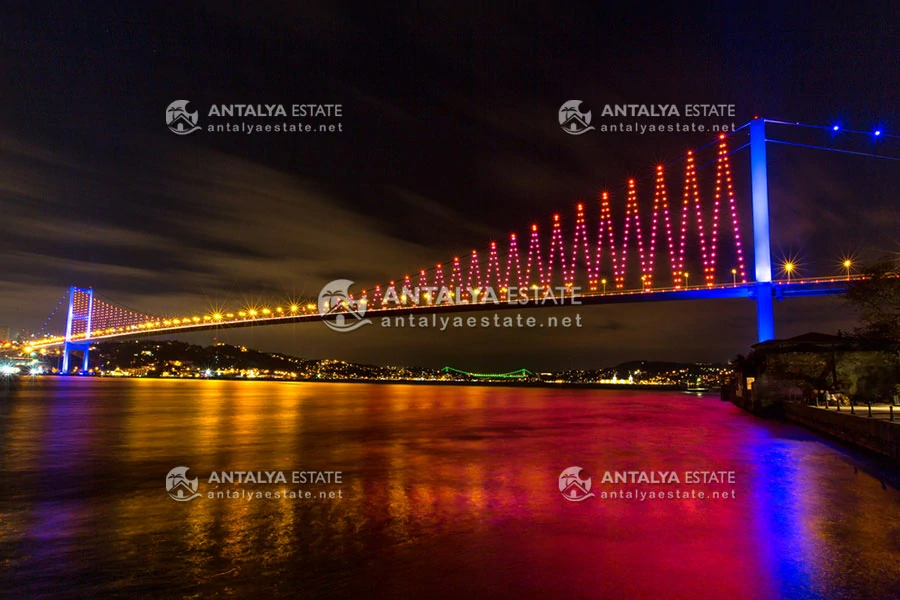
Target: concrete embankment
{"x": 878, "y": 435}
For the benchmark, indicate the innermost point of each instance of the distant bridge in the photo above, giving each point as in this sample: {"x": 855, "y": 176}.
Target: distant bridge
{"x": 520, "y": 374}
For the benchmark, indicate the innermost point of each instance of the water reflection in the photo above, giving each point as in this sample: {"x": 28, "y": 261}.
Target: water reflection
{"x": 447, "y": 492}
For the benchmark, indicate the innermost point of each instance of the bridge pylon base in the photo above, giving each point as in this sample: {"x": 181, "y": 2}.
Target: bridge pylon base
{"x": 68, "y": 347}
{"x": 765, "y": 314}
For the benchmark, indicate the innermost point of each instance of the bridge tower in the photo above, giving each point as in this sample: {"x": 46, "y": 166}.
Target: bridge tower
{"x": 765, "y": 320}
{"x": 81, "y": 306}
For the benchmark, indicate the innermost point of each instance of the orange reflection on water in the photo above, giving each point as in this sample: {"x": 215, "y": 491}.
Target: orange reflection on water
{"x": 438, "y": 480}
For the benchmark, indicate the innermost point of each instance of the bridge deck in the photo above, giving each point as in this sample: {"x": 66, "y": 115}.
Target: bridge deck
{"x": 780, "y": 290}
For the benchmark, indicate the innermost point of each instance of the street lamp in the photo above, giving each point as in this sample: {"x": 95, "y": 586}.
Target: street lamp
{"x": 734, "y": 277}
{"x": 603, "y": 281}
{"x": 686, "y": 275}
{"x": 789, "y": 269}
{"x": 847, "y": 264}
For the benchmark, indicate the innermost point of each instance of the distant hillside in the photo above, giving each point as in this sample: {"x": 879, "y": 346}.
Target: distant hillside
{"x": 179, "y": 359}
{"x": 147, "y": 358}
{"x": 658, "y": 366}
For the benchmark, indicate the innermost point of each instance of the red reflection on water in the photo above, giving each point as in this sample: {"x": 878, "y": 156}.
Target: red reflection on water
{"x": 449, "y": 492}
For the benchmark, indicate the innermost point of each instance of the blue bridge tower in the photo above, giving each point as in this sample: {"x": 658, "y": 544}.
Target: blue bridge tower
{"x": 81, "y": 306}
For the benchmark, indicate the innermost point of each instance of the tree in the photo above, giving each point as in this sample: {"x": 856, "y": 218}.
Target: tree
{"x": 877, "y": 300}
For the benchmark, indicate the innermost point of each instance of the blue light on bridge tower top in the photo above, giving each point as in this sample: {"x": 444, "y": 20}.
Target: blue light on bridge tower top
{"x": 836, "y": 127}
{"x": 877, "y": 132}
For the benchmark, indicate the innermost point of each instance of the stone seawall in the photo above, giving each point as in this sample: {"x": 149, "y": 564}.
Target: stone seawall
{"x": 879, "y": 436}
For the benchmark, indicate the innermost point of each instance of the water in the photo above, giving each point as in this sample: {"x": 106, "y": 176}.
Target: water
{"x": 448, "y": 492}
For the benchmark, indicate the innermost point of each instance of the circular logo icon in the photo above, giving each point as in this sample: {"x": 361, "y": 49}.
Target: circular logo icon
{"x": 572, "y": 120}
{"x": 343, "y": 311}
{"x": 179, "y": 120}
{"x": 572, "y": 487}
{"x": 179, "y": 487}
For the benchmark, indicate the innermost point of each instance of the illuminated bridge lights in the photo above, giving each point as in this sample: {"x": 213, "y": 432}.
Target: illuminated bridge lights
{"x": 513, "y": 258}
{"x": 581, "y": 259}
{"x": 456, "y": 277}
{"x": 407, "y": 284}
{"x": 632, "y": 218}
{"x": 606, "y": 226}
{"x": 592, "y": 254}
{"x": 492, "y": 275}
{"x": 581, "y": 240}
{"x": 661, "y": 206}
{"x": 473, "y": 279}
{"x": 439, "y": 276}
{"x": 692, "y": 198}
{"x": 557, "y": 250}
{"x": 534, "y": 263}
{"x": 377, "y": 296}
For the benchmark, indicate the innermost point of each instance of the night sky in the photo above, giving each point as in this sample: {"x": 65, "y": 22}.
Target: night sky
{"x": 450, "y": 139}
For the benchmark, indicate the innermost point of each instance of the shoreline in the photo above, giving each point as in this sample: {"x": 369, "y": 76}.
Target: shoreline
{"x": 871, "y": 435}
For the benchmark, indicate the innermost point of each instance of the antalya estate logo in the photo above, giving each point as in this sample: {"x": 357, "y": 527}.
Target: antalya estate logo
{"x": 179, "y": 120}
{"x": 644, "y": 486}
{"x": 342, "y": 311}
{"x": 572, "y": 487}
{"x": 251, "y": 119}
{"x": 179, "y": 487}
{"x": 572, "y": 120}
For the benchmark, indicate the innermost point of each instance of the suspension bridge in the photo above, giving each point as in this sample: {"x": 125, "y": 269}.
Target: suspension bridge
{"x": 685, "y": 241}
